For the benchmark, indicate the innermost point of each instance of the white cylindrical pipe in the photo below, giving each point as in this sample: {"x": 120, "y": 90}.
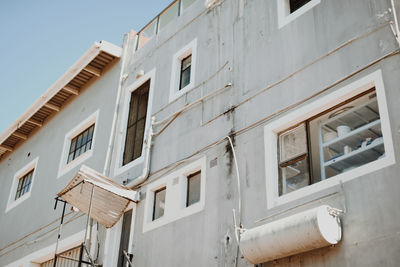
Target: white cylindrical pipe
{"x": 305, "y": 231}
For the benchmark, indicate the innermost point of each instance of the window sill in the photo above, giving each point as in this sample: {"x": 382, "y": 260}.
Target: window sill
{"x": 273, "y": 202}
{"x": 71, "y": 165}
{"x": 18, "y": 201}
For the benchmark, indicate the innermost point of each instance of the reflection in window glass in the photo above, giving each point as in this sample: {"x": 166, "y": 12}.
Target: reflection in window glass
{"x": 335, "y": 141}
{"x": 24, "y": 184}
{"x": 168, "y": 15}
{"x": 193, "y": 188}
{"x": 185, "y": 72}
{"x": 80, "y": 144}
{"x": 159, "y": 203}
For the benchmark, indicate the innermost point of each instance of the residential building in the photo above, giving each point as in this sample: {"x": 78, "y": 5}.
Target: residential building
{"x": 269, "y": 124}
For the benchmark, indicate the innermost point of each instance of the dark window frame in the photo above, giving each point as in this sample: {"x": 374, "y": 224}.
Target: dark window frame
{"x": 188, "y": 188}
{"x": 81, "y": 143}
{"x": 295, "y": 5}
{"x": 183, "y": 70}
{"x": 137, "y": 116}
{"x": 164, "y": 188}
{"x": 24, "y": 184}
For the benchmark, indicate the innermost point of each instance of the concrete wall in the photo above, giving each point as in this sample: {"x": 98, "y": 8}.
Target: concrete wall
{"x": 47, "y": 144}
{"x": 240, "y": 42}
{"x": 272, "y": 71}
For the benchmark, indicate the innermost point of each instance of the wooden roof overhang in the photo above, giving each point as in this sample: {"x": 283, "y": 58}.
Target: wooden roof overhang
{"x": 89, "y": 67}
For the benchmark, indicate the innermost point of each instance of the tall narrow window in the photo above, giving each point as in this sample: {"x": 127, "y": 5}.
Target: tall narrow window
{"x": 80, "y": 144}
{"x": 185, "y": 72}
{"x": 159, "y": 203}
{"x": 24, "y": 184}
{"x": 124, "y": 241}
{"x": 296, "y": 4}
{"x": 136, "y": 123}
{"x": 193, "y": 188}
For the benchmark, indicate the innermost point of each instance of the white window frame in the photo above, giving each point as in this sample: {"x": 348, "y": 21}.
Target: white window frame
{"x": 175, "y": 199}
{"x": 12, "y": 202}
{"x": 189, "y": 49}
{"x": 65, "y": 167}
{"x": 40, "y": 256}
{"x": 119, "y": 169}
{"x": 303, "y": 113}
{"x": 284, "y": 15}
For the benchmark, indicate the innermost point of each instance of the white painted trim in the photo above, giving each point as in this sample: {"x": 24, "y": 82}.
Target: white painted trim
{"x": 175, "y": 196}
{"x": 47, "y": 253}
{"x": 69, "y": 75}
{"x": 189, "y": 49}
{"x": 317, "y": 106}
{"x": 121, "y": 135}
{"x": 63, "y": 166}
{"x": 18, "y": 175}
{"x": 284, "y": 15}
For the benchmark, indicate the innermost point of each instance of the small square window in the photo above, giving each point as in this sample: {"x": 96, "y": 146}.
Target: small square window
{"x": 185, "y": 72}
{"x": 80, "y": 144}
{"x": 159, "y": 203}
{"x": 193, "y": 188}
{"x": 24, "y": 184}
{"x": 289, "y": 10}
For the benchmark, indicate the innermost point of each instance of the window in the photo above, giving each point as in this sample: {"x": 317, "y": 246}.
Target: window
{"x": 124, "y": 241}
{"x": 183, "y": 70}
{"x": 159, "y": 203}
{"x": 81, "y": 143}
{"x": 179, "y": 194}
{"x": 24, "y": 184}
{"x": 333, "y": 139}
{"x": 21, "y": 186}
{"x": 333, "y": 142}
{"x": 78, "y": 144}
{"x": 136, "y": 123}
{"x": 289, "y": 10}
{"x": 296, "y": 4}
{"x": 193, "y": 188}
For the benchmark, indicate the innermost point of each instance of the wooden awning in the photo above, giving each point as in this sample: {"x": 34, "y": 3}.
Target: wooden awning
{"x": 89, "y": 67}
{"x": 109, "y": 199}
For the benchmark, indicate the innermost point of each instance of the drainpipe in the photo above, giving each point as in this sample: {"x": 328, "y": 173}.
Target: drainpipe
{"x": 146, "y": 169}
{"x": 122, "y": 77}
{"x": 395, "y": 24}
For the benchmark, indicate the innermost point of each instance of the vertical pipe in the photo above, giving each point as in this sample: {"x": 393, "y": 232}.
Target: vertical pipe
{"x": 80, "y": 256}
{"x": 179, "y": 7}
{"x": 59, "y": 231}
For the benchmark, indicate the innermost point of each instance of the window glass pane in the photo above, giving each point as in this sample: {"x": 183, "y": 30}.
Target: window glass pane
{"x": 81, "y": 143}
{"x": 293, "y": 143}
{"x": 294, "y": 176}
{"x": 296, "y": 4}
{"x": 136, "y": 123}
{"x": 351, "y": 136}
{"x": 187, "y": 3}
{"x": 159, "y": 203}
{"x": 193, "y": 188}
{"x": 169, "y": 15}
{"x": 24, "y": 184}
{"x": 139, "y": 139}
{"x": 185, "y": 78}
{"x": 186, "y": 62}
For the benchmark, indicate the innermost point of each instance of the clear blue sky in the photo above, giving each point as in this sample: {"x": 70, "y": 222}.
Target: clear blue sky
{"x": 41, "y": 39}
